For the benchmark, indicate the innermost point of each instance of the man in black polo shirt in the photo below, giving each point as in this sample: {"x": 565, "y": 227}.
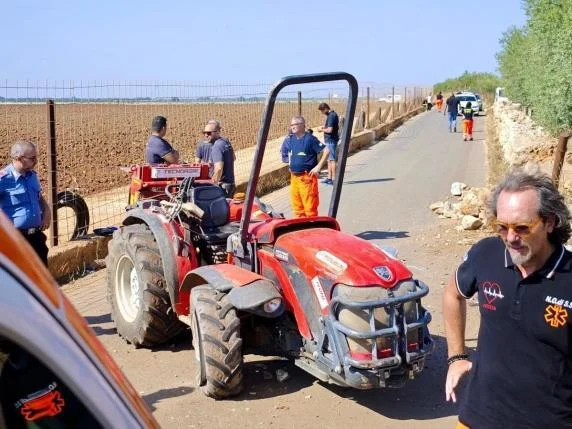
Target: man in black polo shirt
{"x": 521, "y": 374}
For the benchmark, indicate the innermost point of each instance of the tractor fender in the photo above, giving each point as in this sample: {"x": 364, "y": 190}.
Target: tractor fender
{"x": 247, "y": 291}
{"x": 165, "y": 244}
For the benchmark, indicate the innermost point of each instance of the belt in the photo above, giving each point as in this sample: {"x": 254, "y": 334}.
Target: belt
{"x": 28, "y": 231}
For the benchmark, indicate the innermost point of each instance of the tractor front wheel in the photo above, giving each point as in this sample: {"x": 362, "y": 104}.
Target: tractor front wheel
{"x": 137, "y": 290}
{"x": 217, "y": 343}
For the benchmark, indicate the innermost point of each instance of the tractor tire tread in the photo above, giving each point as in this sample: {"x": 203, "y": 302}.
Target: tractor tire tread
{"x": 220, "y": 342}
{"x": 156, "y": 323}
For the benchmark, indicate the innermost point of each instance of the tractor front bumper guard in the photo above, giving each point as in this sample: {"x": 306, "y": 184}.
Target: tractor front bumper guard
{"x": 402, "y": 358}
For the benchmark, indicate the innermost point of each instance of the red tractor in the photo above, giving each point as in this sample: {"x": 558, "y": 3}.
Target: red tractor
{"x": 343, "y": 309}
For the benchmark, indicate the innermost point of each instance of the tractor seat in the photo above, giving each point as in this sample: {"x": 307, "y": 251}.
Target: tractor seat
{"x": 211, "y": 199}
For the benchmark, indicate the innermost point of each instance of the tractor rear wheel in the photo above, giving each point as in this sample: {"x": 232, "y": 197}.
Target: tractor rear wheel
{"x": 137, "y": 290}
{"x": 217, "y": 343}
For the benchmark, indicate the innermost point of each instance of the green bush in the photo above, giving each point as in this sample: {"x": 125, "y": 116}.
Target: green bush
{"x": 483, "y": 83}
{"x": 536, "y": 63}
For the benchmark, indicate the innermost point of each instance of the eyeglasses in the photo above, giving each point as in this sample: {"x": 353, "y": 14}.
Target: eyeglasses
{"x": 31, "y": 158}
{"x": 521, "y": 229}
{"x": 207, "y": 133}
{"x": 295, "y": 125}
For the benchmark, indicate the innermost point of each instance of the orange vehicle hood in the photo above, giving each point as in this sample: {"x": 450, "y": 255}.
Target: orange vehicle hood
{"x": 341, "y": 257}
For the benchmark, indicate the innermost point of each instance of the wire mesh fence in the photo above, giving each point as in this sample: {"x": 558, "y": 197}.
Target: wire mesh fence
{"x": 102, "y": 127}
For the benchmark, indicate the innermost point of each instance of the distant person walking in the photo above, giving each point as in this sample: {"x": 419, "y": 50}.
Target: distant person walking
{"x": 300, "y": 151}
{"x": 439, "y": 101}
{"x": 331, "y": 138}
{"x": 222, "y": 157}
{"x": 429, "y": 102}
{"x": 452, "y": 106}
{"x": 159, "y": 150}
{"x": 468, "y": 113}
{"x": 21, "y": 197}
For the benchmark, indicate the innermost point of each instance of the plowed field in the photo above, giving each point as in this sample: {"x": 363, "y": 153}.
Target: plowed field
{"x": 94, "y": 140}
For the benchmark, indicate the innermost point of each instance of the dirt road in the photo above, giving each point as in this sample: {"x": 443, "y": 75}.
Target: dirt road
{"x": 386, "y": 195}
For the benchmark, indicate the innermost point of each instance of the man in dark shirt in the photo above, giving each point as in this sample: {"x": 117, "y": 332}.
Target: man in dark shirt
{"x": 300, "y": 150}
{"x": 159, "y": 150}
{"x": 439, "y": 101}
{"x": 467, "y": 113}
{"x": 331, "y": 138}
{"x": 222, "y": 157}
{"x": 452, "y": 105}
{"x": 521, "y": 373}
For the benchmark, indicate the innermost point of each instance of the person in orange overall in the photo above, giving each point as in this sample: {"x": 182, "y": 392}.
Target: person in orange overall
{"x": 439, "y": 101}
{"x": 300, "y": 151}
{"x": 467, "y": 122}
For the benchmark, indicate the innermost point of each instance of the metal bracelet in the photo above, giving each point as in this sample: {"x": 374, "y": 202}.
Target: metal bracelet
{"x": 455, "y": 358}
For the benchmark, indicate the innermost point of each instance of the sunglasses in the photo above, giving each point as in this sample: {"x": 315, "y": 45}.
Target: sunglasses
{"x": 207, "y": 133}
{"x": 521, "y": 229}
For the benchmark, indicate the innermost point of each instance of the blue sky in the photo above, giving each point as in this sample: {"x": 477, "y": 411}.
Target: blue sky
{"x": 395, "y": 41}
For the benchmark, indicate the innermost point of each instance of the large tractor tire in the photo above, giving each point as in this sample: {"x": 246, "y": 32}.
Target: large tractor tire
{"x": 137, "y": 290}
{"x": 217, "y": 343}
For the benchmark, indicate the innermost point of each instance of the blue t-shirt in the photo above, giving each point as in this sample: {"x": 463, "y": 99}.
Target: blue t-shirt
{"x": 301, "y": 153}
{"x": 222, "y": 151}
{"x": 20, "y": 197}
{"x": 156, "y": 149}
{"x": 333, "y": 121}
{"x": 204, "y": 151}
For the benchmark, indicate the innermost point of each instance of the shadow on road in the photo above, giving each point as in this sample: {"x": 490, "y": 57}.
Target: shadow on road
{"x": 355, "y": 182}
{"x": 260, "y": 380}
{"x": 153, "y": 398}
{"x": 382, "y": 235}
{"x": 94, "y": 321}
{"x": 420, "y": 399}
{"x": 97, "y": 320}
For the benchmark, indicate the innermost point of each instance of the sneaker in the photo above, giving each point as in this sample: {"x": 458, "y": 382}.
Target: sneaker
{"x": 325, "y": 180}
{"x": 328, "y": 181}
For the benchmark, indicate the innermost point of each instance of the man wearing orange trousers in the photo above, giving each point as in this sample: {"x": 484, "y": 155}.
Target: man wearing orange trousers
{"x": 467, "y": 122}
{"x": 300, "y": 151}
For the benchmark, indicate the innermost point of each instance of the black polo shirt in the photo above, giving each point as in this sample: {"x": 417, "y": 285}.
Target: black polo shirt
{"x": 522, "y": 370}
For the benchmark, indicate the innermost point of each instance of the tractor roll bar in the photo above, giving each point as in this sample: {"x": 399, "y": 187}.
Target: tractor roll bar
{"x": 265, "y": 128}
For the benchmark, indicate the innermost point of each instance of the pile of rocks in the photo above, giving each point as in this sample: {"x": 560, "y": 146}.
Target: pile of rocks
{"x": 466, "y": 204}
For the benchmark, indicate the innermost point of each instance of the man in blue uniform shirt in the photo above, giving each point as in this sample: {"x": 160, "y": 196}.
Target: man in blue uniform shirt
{"x": 159, "y": 150}
{"x": 21, "y": 197}
{"x": 300, "y": 150}
{"x": 222, "y": 158}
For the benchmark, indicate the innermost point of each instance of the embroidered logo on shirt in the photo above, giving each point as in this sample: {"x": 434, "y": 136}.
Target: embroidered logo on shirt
{"x": 492, "y": 292}
{"x": 45, "y": 403}
{"x": 556, "y": 316}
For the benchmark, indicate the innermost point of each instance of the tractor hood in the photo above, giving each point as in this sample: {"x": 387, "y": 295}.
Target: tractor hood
{"x": 341, "y": 257}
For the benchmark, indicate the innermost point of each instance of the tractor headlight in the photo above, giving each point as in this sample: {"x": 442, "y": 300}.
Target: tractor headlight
{"x": 272, "y": 305}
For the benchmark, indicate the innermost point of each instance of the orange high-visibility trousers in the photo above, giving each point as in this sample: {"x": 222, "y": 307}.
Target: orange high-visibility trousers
{"x": 467, "y": 128}
{"x": 304, "y": 195}
{"x": 439, "y": 103}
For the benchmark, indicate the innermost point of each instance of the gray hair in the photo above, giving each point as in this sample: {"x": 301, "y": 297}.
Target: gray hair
{"x": 299, "y": 119}
{"x": 214, "y": 122}
{"x": 20, "y": 147}
{"x": 550, "y": 201}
